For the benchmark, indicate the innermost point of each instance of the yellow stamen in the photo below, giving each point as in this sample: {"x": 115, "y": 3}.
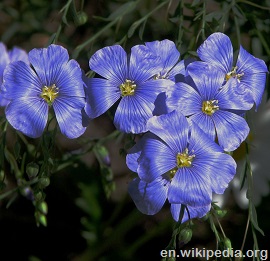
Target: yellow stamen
{"x": 49, "y": 93}
{"x": 209, "y": 107}
{"x": 127, "y": 88}
{"x": 234, "y": 74}
{"x": 184, "y": 159}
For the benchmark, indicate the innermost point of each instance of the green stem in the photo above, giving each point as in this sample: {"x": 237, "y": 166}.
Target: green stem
{"x": 253, "y": 4}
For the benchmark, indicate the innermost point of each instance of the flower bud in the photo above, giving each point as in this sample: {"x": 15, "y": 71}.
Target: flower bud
{"x": 32, "y": 169}
{"x": 44, "y": 182}
{"x": 185, "y": 235}
{"x": 41, "y": 219}
{"x": 43, "y": 207}
{"x": 221, "y": 213}
{"x": 227, "y": 243}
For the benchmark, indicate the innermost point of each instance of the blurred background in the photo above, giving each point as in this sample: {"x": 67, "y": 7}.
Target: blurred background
{"x": 90, "y": 215}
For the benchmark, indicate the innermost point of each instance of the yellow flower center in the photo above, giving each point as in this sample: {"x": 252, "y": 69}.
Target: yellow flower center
{"x": 209, "y": 107}
{"x": 234, "y": 74}
{"x": 127, "y": 88}
{"x": 49, "y": 93}
{"x": 184, "y": 159}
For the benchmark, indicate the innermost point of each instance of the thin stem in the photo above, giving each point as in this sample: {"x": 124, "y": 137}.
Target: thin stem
{"x": 253, "y": 4}
{"x": 245, "y": 235}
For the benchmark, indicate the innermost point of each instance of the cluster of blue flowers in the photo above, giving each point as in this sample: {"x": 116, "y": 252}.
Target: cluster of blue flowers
{"x": 189, "y": 113}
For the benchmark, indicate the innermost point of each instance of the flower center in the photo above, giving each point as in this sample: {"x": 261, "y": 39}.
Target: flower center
{"x": 209, "y": 107}
{"x": 234, "y": 74}
{"x": 127, "y": 88}
{"x": 49, "y": 93}
{"x": 184, "y": 159}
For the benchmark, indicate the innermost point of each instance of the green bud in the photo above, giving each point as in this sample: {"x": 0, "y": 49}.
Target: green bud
{"x": 43, "y": 207}
{"x": 32, "y": 169}
{"x": 41, "y": 219}
{"x": 44, "y": 182}
{"x": 38, "y": 196}
{"x": 185, "y": 235}
{"x": 227, "y": 243}
{"x": 221, "y": 213}
{"x": 81, "y": 18}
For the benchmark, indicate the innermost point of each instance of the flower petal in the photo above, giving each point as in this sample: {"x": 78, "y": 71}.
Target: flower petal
{"x": 144, "y": 64}
{"x": 231, "y": 129}
{"x": 254, "y": 71}
{"x": 69, "y": 80}
{"x": 132, "y": 114}
{"x": 3, "y": 61}
{"x": 217, "y": 50}
{"x": 101, "y": 94}
{"x": 148, "y": 197}
{"x": 172, "y": 128}
{"x": 205, "y": 122}
{"x": 18, "y": 54}
{"x": 20, "y": 81}
{"x": 48, "y": 63}
{"x": 155, "y": 159}
{"x": 111, "y": 63}
{"x": 134, "y": 154}
{"x": 28, "y": 115}
{"x": 183, "y": 97}
{"x": 190, "y": 212}
{"x": 208, "y": 79}
{"x": 229, "y": 98}
{"x": 68, "y": 112}
{"x": 190, "y": 187}
{"x": 168, "y": 53}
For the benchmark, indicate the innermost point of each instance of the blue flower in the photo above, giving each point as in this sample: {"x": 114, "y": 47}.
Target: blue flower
{"x": 178, "y": 162}
{"x": 131, "y": 82}
{"x": 214, "y": 107}
{"x": 249, "y": 72}
{"x": 16, "y": 54}
{"x": 52, "y": 80}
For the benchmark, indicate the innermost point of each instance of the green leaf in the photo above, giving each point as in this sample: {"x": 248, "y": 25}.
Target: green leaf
{"x": 125, "y": 8}
{"x": 253, "y": 218}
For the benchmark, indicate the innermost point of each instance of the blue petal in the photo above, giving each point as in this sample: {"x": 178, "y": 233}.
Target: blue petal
{"x": 133, "y": 112}
{"x": 143, "y": 64}
{"x": 101, "y": 94}
{"x": 20, "y": 81}
{"x": 168, "y": 53}
{"x": 179, "y": 68}
{"x": 190, "y": 186}
{"x": 201, "y": 143}
{"x": 17, "y": 54}
{"x": 231, "y": 129}
{"x": 48, "y": 63}
{"x": 205, "y": 122}
{"x": 172, "y": 128}
{"x": 254, "y": 77}
{"x": 68, "y": 112}
{"x": 217, "y": 50}
{"x": 208, "y": 156}
{"x": 148, "y": 197}
{"x": 111, "y": 63}
{"x": 229, "y": 98}
{"x": 183, "y": 97}
{"x": 69, "y": 80}
{"x": 28, "y": 115}
{"x": 194, "y": 212}
{"x": 207, "y": 79}
{"x": 155, "y": 159}
{"x": 134, "y": 154}
{"x": 3, "y": 61}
